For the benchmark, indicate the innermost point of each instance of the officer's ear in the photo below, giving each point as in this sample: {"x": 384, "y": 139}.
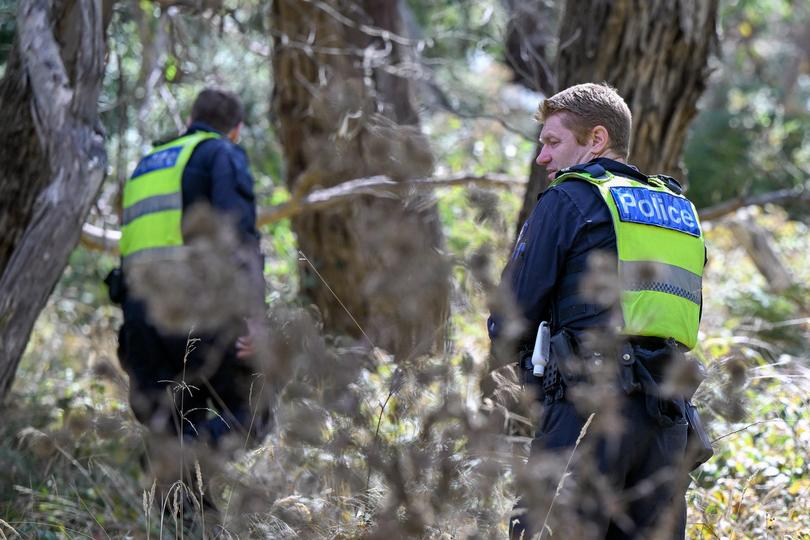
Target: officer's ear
{"x": 600, "y": 140}
{"x": 234, "y": 133}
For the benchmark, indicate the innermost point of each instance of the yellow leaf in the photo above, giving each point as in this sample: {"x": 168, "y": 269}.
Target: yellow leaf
{"x": 746, "y": 29}
{"x": 798, "y": 485}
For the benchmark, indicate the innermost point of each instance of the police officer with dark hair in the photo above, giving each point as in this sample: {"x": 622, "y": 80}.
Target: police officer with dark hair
{"x": 598, "y": 204}
{"x": 204, "y": 167}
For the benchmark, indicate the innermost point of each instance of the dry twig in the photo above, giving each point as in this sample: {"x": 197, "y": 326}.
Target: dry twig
{"x": 101, "y": 239}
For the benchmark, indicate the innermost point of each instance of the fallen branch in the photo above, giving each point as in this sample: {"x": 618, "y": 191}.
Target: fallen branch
{"x": 759, "y": 245}
{"x": 799, "y": 193}
{"x": 100, "y": 239}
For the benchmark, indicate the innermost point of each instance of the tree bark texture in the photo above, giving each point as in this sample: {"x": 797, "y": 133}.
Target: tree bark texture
{"x": 52, "y": 156}
{"x": 344, "y": 109}
{"x": 759, "y": 244}
{"x": 655, "y": 52}
{"x": 528, "y": 35}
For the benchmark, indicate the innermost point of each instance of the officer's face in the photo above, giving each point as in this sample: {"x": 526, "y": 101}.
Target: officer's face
{"x": 560, "y": 146}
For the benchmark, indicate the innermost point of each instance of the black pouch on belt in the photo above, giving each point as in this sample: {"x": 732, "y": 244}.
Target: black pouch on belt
{"x": 116, "y": 288}
{"x": 698, "y": 446}
{"x": 564, "y": 353}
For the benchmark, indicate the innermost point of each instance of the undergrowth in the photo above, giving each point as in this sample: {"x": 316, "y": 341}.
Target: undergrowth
{"x": 366, "y": 446}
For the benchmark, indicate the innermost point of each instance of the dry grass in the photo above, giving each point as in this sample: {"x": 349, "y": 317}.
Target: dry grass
{"x": 365, "y": 445}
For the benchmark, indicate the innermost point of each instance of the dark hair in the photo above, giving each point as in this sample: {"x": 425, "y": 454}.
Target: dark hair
{"x": 219, "y": 109}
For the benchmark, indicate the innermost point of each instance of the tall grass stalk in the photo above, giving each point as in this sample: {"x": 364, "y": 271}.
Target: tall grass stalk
{"x": 565, "y": 474}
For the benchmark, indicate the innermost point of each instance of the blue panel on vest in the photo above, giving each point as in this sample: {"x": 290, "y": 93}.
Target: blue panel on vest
{"x": 159, "y": 160}
{"x": 657, "y": 208}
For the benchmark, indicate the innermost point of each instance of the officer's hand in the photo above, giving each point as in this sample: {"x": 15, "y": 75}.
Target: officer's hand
{"x": 256, "y": 334}
{"x": 245, "y": 347}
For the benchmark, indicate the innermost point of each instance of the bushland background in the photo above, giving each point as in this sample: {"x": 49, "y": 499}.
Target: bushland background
{"x": 391, "y": 145}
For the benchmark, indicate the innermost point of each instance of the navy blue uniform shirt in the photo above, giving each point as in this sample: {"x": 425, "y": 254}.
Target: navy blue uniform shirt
{"x": 217, "y": 173}
{"x": 569, "y": 220}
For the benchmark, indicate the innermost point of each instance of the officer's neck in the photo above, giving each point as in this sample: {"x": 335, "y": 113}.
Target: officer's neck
{"x": 610, "y": 154}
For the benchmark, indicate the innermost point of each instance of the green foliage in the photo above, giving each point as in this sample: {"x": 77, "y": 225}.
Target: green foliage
{"x": 458, "y": 30}
{"x": 765, "y": 314}
{"x": 281, "y": 254}
{"x": 752, "y": 135}
{"x": 755, "y": 397}
{"x": 159, "y": 60}
{"x": 715, "y": 156}
{"x": 351, "y": 420}
{"x": 70, "y": 449}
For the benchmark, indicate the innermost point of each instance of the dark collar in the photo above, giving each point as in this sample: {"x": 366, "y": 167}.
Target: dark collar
{"x": 621, "y": 169}
{"x": 193, "y": 128}
{"x": 597, "y": 167}
{"x": 201, "y": 126}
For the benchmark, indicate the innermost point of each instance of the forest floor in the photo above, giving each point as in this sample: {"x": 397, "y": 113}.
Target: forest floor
{"x": 70, "y": 448}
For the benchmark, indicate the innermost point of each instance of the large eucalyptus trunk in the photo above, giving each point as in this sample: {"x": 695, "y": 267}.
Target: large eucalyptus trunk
{"x": 52, "y": 156}
{"x": 343, "y": 103}
{"x": 655, "y": 52}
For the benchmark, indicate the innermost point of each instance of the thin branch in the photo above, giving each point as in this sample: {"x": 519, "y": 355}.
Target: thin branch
{"x": 721, "y": 437}
{"x": 100, "y": 239}
{"x": 795, "y": 194}
{"x": 445, "y": 104}
{"x": 372, "y": 31}
{"x": 530, "y": 137}
{"x": 348, "y": 312}
{"x": 378, "y": 186}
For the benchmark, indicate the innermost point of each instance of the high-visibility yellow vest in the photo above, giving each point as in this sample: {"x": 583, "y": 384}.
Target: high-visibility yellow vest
{"x": 661, "y": 254}
{"x": 153, "y": 199}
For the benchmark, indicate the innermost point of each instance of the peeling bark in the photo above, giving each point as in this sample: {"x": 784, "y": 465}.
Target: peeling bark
{"x": 344, "y": 108}
{"x": 52, "y": 157}
{"x": 528, "y": 34}
{"x": 655, "y": 52}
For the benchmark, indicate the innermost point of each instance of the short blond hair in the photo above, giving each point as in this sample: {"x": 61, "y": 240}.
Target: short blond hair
{"x": 585, "y": 106}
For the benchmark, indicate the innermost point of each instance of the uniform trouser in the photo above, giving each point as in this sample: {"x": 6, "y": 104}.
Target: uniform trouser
{"x": 626, "y": 482}
{"x": 195, "y": 387}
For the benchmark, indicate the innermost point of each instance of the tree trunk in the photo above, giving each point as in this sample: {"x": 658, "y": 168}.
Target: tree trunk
{"x": 655, "y": 52}
{"x": 52, "y": 157}
{"x": 343, "y": 104}
{"x": 759, "y": 244}
{"x": 528, "y": 34}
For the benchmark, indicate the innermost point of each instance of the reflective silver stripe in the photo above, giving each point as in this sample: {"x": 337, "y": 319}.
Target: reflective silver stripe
{"x": 155, "y": 254}
{"x": 150, "y": 205}
{"x": 661, "y": 277}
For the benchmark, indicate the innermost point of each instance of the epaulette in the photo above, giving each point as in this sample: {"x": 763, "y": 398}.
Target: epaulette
{"x": 671, "y": 184}
{"x": 593, "y": 169}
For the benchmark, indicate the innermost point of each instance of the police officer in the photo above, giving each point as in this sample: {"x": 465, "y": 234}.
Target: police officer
{"x": 598, "y": 205}
{"x": 203, "y": 167}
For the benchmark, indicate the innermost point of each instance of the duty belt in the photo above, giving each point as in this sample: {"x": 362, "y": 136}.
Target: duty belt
{"x": 552, "y": 383}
